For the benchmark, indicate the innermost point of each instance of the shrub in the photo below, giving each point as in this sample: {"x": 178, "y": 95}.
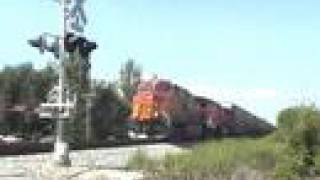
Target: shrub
{"x": 140, "y": 160}
{"x": 298, "y": 137}
{"x": 214, "y": 159}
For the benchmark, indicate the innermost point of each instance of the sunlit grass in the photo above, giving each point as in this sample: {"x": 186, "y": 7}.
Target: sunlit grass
{"x": 216, "y": 157}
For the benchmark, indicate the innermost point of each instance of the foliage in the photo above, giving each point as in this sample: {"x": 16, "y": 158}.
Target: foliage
{"x": 218, "y": 158}
{"x": 130, "y": 76}
{"x": 77, "y": 74}
{"x": 24, "y": 86}
{"x": 76, "y": 128}
{"x": 139, "y": 160}
{"x": 298, "y": 137}
{"x": 109, "y": 112}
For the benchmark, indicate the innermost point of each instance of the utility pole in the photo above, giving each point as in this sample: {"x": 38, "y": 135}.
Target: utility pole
{"x": 2, "y": 104}
{"x": 89, "y": 98}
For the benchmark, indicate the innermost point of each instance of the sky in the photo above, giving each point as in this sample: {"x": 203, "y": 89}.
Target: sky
{"x": 262, "y": 55}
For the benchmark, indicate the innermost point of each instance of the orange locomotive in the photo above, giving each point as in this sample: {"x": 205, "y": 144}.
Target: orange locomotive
{"x": 151, "y": 107}
{"x": 161, "y": 109}
{"x": 153, "y": 98}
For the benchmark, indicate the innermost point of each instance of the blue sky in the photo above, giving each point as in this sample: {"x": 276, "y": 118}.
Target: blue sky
{"x": 263, "y": 55}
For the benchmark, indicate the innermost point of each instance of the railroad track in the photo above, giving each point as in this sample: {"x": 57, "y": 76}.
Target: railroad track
{"x": 26, "y": 148}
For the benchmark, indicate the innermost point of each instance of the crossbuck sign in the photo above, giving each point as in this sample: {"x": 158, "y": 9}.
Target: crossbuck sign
{"x": 75, "y": 15}
{"x": 52, "y": 109}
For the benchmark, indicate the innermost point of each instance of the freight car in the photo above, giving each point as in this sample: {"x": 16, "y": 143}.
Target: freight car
{"x": 161, "y": 109}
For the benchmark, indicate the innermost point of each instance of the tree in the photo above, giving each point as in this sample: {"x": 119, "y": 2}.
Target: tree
{"x": 298, "y": 136}
{"x": 77, "y": 77}
{"x": 109, "y": 112}
{"x": 25, "y": 87}
{"x": 130, "y": 77}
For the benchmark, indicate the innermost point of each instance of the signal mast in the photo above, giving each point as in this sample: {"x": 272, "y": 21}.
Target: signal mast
{"x": 61, "y": 101}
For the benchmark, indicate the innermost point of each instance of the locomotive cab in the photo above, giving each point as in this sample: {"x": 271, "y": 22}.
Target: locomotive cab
{"x": 149, "y": 118}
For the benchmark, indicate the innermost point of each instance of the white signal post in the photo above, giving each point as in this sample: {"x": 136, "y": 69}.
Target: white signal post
{"x": 61, "y": 146}
{"x": 73, "y": 20}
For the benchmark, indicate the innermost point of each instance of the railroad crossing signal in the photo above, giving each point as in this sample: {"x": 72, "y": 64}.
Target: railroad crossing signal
{"x": 46, "y": 42}
{"x": 39, "y": 43}
{"x": 75, "y": 16}
{"x": 53, "y": 109}
{"x": 72, "y": 41}
{"x": 74, "y": 21}
{"x": 50, "y": 43}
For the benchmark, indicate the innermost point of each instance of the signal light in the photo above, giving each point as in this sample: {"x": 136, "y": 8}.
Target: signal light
{"x": 54, "y": 48}
{"x": 86, "y": 47}
{"x": 50, "y": 43}
{"x": 39, "y": 43}
{"x": 46, "y": 42}
{"x": 70, "y": 42}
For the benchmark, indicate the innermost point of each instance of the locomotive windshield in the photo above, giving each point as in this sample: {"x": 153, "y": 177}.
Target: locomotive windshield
{"x": 162, "y": 86}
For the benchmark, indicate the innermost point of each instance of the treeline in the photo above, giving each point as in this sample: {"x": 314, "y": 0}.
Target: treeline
{"x": 23, "y": 84}
{"x": 23, "y": 88}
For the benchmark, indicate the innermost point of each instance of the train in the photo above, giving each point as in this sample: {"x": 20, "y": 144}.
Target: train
{"x": 162, "y": 110}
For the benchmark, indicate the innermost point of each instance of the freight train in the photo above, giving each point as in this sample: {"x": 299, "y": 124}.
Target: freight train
{"x": 161, "y": 109}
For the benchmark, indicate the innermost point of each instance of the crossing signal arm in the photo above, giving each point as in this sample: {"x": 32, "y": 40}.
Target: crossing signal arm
{"x": 72, "y": 42}
{"x": 39, "y": 43}
{"x": 50, "y": 43}
{"x": 46, "y": 42}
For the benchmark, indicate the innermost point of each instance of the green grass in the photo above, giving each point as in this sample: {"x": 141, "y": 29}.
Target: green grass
{"x": 216, "y": 157}
{"x": 140, "y": 161}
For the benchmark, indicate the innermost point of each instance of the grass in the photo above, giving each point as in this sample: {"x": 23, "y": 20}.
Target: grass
{"x": 219, "y": 158}
{"x": 141, "y": 161}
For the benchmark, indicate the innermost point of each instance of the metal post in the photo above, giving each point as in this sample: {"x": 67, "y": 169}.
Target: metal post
{"x": 88, "y": 121}
{"x": 61, "y": 154}
{"x": 90, "y": 96}
{"x": 2, "y": 104}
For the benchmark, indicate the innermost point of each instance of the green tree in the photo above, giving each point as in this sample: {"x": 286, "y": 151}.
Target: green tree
{"x": 109, "y": 112}
{"x": 130, "y": 77}
{"x": 23, "y": 86}
{"x": 77, "y": 79}
{"x": 298, "y": 136}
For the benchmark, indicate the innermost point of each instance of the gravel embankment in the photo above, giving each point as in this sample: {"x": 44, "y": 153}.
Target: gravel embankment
{"x": 104, "y": 163}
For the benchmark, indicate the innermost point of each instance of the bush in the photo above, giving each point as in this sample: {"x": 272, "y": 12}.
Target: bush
{"x": 298, "y": 137}
{"x": 141, "y": 161}
{"x": 217, "y": 159}
{"x": 223, "y": 157}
